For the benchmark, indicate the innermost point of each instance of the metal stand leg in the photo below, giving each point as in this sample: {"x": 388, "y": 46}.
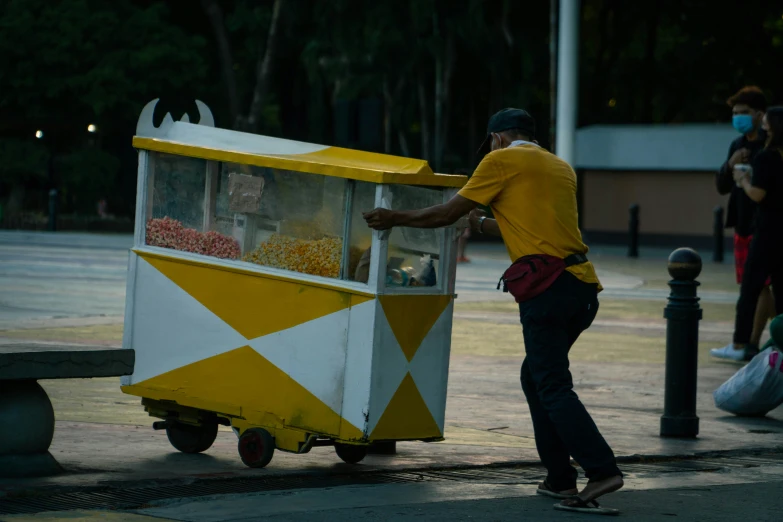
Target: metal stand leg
{"x": 383, "y": 448}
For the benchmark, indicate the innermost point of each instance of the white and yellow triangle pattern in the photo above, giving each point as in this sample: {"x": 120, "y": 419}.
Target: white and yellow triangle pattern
{"x": 275, "y": 351}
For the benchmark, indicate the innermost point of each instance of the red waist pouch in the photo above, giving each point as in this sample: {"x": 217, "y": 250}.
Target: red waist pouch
{"x": 530, "y": 275}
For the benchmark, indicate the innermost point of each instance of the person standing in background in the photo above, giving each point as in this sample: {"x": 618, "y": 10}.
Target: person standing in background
{"x": 748, "y": 107}
{"x": 462, "y": 242}
{"x": 763, "y": 185}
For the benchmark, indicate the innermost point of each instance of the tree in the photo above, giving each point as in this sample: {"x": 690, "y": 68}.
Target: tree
{"x": 441, "y": 69}
{"x": 250, "y": 18}
{"x": 81, "y": 59}
{"x": 87, "y": 175}
{"x": 66, "y": 64}
{"x": 24, "y": 165}
{"x": 673, "y": 61}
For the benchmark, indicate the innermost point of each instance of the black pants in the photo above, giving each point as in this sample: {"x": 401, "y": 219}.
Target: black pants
{"x": 551, "y": 324}
{"x": 765, "y": 259}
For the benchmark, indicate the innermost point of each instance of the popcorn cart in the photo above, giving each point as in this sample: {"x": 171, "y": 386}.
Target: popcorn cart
{"x": 259, "y": 299}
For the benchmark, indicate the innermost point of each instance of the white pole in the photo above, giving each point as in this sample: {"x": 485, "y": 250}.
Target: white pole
{"x": 567, "y": 79}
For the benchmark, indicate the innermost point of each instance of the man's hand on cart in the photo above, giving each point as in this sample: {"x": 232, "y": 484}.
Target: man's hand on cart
{"x": 430, "y": 217}
{"x": 380, "y": 218}
{"x": 475, "y": 218}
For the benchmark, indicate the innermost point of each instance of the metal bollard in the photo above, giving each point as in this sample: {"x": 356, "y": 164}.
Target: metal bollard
{"x": 717, "y": 234}
{"x": 682, "y": 342}
{"x": 633, "y": 231}
{"x": 52, "y": 210}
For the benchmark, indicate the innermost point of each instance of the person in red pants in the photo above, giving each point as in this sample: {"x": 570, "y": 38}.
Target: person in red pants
{"x": 748, "y": 107}
{"x": 764, "y": 185}
{"x": 462, "y": 243}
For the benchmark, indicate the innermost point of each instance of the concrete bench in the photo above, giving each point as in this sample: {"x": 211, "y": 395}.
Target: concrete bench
{"x": 26, "y": 413}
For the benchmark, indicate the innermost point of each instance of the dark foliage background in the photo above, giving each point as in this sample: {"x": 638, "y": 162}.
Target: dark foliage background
{"x": 410, "y": 77}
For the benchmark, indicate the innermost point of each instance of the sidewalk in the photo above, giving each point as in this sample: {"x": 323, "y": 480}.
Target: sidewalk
{"x": 710, "y": 501}
{"x": 72, "y": 290}
{"x": 487, "y": 423}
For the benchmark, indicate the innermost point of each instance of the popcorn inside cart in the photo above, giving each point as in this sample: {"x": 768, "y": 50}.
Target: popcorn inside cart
{"x": 259, "y": 299}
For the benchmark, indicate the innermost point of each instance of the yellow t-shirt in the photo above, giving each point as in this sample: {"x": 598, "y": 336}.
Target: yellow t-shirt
{"x": 532, "y": 194}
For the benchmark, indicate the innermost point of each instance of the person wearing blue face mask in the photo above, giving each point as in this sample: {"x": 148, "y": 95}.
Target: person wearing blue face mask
{"x": 748, "y": 107}
{"x": 763, "y": 183}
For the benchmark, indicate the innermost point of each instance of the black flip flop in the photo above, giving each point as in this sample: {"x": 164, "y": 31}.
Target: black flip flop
{"x": 546, "y": 489}
{"x": 587, "y": 506}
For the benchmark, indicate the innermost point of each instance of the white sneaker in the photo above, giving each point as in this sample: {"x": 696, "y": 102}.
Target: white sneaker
{"x": 729, "y": 352}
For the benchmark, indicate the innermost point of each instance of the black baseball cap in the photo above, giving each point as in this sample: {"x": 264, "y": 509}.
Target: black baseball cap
{"x": 507, "y": 119}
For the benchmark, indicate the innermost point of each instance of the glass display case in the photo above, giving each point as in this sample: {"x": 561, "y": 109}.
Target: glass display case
{"x": 413, "y": 257}
{"x": 288, "y": 220}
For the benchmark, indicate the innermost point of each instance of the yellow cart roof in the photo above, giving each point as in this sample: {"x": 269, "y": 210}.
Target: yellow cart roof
{"x": 203, "y": 141}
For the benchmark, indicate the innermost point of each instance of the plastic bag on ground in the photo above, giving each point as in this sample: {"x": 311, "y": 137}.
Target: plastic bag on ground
{"x": 755, "y": 389}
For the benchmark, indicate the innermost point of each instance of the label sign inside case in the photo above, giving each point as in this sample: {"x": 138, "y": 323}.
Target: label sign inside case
{"x": 244, "y": 193}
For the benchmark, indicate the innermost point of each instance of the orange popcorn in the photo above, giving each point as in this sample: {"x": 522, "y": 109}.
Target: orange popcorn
{"x": 320, "y": 257}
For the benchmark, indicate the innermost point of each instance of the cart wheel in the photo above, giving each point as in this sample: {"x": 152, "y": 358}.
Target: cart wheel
{"x": 350, "y": 453}
{"x": 256, "y": 447}
{"x": 188, "y": 438}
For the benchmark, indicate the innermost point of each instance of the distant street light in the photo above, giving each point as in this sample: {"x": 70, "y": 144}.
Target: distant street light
{"x": 39, "y": 134}
{"x": 92, "y": 128}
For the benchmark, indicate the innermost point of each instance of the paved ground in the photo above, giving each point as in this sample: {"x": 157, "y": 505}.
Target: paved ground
{"x": 715, "y": 503}
{"x": 49, "y": 280}
{"x": 727, "y": 494}
{"x": 70, "y": 288}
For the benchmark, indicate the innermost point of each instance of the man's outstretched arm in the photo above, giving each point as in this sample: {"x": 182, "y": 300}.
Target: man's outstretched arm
{"x": 430, "y": 217}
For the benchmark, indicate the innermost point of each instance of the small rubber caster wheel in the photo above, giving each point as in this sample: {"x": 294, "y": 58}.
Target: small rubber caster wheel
{"x": 256, "y": 447}
{"x": 188, "y": 438}
{"x": 350, "y": 453}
